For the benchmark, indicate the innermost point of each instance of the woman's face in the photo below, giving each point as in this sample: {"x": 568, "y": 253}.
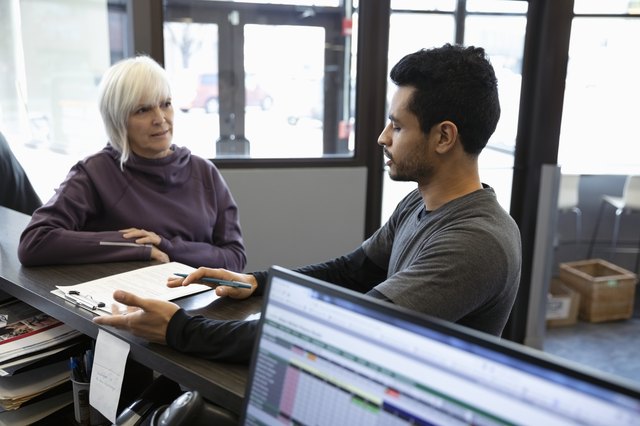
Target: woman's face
{"x": 150, "y": 129}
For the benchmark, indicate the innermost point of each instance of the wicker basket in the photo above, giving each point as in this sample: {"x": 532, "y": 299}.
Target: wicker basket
{"x": 607, "y": 291}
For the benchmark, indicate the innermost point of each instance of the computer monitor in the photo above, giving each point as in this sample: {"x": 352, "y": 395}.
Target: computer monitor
{"x": 330, "y": 356}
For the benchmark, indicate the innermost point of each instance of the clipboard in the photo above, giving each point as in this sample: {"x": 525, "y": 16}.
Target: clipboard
{"x": 96, "y": 296}
{"x": 84, "y": 301}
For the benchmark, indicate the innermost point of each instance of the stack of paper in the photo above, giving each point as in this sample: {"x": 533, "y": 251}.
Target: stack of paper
{"x": 34, "y": 363}
{"x": 32, "y": 413}
{"x": 16, "y": 390}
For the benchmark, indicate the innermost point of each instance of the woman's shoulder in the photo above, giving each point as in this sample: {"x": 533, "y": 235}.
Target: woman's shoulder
{"x": 106, "y": 155}
{"x": 199, "y": 163}
{"x": 98, "y": 164}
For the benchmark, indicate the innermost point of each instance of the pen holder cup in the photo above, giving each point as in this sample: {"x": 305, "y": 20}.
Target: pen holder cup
{"x": 85, "y": 414}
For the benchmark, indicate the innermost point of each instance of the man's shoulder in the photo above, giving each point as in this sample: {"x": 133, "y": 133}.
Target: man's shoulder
{"x": 482, "y": 199}
{"x": 410, "y": 200}
{"x": 479, "y": 210}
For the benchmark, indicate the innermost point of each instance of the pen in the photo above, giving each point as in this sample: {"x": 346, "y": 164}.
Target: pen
{"x": 88, "y": 361}
{"x": 77, "y": 369}
{"x": 73, "y": 367}
{"x": 219, "y": 282}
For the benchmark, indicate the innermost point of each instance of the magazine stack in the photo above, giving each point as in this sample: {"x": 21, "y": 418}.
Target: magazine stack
{"x": 35, "y": 349}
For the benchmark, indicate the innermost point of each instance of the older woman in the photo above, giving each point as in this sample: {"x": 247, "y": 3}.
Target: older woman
{"x": 141, "y": 197}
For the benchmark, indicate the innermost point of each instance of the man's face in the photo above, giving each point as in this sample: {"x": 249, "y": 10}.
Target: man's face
{"x": 407, "y": 149}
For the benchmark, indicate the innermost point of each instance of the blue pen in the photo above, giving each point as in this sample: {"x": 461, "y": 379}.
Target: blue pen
{"x": 219, "y": 282}
{"x": 77, "y": 369}
{"x": 88, "y": 361}
{"x": 73, "y": 368}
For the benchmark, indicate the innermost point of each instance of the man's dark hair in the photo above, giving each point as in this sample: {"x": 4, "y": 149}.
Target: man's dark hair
{"x": 452, "y": 83}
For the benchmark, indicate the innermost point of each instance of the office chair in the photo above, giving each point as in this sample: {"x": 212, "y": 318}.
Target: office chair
{"x": 629, "y": 202}
{"x": 163, "y": 403}
{"x": 16, "y": 191}
{"x": 190, "y": 409}
{"x": 568, "y": 200}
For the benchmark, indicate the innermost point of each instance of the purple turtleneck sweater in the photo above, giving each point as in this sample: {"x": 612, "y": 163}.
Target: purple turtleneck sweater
{"x": 181, "y": 197}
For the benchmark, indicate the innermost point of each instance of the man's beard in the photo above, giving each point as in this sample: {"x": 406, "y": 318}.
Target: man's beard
{"x": 416, "y": 171}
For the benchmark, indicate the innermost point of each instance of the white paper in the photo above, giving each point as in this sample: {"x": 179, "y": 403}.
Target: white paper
{"x": 31, "y": 413}
{"x": 27, "y": 359}
{"x": 34, "y": 382}
{"x": 109, "y": 361}
{"x": 558, "y": 307}
{"x": 148, "y": 282}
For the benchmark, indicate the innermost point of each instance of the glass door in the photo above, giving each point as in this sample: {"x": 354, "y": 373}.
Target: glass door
{"x": 258, "y": 81}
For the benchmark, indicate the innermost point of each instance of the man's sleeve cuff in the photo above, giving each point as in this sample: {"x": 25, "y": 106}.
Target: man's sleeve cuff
{"x": 261, "y": 278}
{"x": 177, "y": 323}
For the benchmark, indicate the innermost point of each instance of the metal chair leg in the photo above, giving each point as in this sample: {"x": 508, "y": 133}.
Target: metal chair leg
{"x": 616, "y": 231}
{"x": 595, "y": 231}
{"x": 578, "y": 213}
{"x": 637, "y": 269}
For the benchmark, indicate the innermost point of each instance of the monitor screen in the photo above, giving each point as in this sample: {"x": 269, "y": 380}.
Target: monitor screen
{"x": 329, "y": 356}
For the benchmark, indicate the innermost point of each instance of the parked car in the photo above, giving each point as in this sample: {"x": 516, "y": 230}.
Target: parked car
{"x": 206, "y": 95}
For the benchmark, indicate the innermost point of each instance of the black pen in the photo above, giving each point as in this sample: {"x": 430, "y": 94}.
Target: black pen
{"x": 219, "y": 282}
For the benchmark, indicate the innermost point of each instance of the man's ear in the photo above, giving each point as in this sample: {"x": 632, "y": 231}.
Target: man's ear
{"x": 448, "y": 136}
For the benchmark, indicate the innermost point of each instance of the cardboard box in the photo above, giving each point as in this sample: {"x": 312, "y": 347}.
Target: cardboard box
{"x": 562, "y": 304}
{"x": 607, "y": 291}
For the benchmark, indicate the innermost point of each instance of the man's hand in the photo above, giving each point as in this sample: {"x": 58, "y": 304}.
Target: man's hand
{"x": 146, "y": 318}
{"x": 221, "y": 274}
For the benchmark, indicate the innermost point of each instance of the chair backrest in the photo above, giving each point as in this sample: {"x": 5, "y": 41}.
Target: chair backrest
{"x": 16, "y": 191}
{"x": 568, "y": 192}
{"x": 631, "y": 193}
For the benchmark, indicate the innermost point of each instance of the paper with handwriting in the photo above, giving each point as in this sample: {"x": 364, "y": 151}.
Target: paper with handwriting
{"x": 110, "y": 359}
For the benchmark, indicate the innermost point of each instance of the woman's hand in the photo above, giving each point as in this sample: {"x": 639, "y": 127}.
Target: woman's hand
{"x": 157, "y": 254}
{"x": 140, "y": 236}
{"x": 221, "y": 274}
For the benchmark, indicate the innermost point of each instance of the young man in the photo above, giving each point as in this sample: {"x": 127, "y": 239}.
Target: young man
{"x": 449, "y": 249}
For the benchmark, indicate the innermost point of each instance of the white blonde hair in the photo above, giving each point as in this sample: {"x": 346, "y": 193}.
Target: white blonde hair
{"x": 123, "y": 87}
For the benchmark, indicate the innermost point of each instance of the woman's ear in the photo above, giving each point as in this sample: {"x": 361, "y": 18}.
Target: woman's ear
{"x": 448, "y": 136}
